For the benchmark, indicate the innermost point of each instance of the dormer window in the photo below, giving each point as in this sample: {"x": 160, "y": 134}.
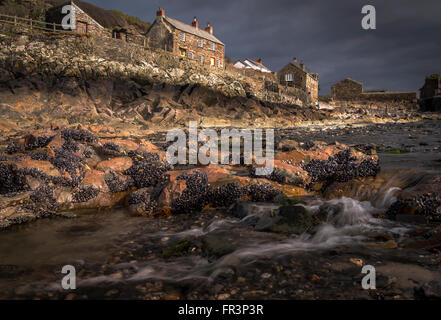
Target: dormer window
{"x": 182, "y": 36}
{"x": 201, "y": 43}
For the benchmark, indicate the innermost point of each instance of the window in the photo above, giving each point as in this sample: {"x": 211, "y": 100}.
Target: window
{"x": 289, "y": 77}
{"x": 182, "y": 52}
{"x": 218, "y": 63}
{"x": 182, "y": 36}
{"x": 213, "y": 46}
{"x": 201, "y": 58}
{"x": 200, "y": 43}
{"x": 191, "y": 55}
{"x": 212, "y": 62}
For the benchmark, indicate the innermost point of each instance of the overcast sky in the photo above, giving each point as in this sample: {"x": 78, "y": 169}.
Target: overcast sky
{"x": 325, "y": 34}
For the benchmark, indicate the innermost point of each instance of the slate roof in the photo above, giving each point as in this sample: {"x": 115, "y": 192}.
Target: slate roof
{"x": 192, "y": 30}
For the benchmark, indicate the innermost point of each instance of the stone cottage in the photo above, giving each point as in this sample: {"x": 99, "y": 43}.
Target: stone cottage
{"x": 295, "y": 74}
{"x": 346, "y": 89}
{"x": 430, "y": 93}
{"x": 186, "y": 41}
{"x": 84, "y": 22}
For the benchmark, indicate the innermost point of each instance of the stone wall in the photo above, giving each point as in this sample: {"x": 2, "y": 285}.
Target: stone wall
{"x": 160, "y": 36}
{"x": 349, "y": 92}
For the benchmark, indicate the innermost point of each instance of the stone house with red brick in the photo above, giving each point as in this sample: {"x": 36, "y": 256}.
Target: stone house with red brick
{"x": 295, "y": 74}
{"x": 186, "y": 41}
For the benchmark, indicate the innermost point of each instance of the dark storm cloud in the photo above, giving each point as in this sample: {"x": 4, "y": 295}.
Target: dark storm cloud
{"x": 326, "y": 35}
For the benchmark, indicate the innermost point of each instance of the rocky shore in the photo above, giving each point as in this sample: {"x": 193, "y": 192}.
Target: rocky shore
{"x": 62, "y": 171}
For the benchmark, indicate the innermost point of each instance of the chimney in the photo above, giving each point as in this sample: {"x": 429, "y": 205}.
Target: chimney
{"x": 209, "y": 28}
{"x": 259, "y": 61}
{"x": 295, "y": 60}
{"x": 302, "y": 65}
{"x": 195, "y": 23}
{"x": 160, "y": 13}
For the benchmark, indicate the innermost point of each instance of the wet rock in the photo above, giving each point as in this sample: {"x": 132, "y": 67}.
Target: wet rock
{"x": 288, "y": 219}
{"x": 288, "y": 145}
{"x": 84, "y": 194}
{"x": 226, "y": 195}
{"x": 11, "y": 179}
{"x": 141, "y": 203}
{"x": 177, "y": 250}
{"x": 78, "y": 135}
{"x": 44, "y": 200}
{"x": 242, "y": 209}
{"x": 262, "y": 192}
{"x": 342, "y": 167}
{"x": 411, "y": 218}
{"x": 219, "y": 244}
{"x": 425, "y": 205}
{"x": 115, "y": 164}
{"x": 117, "y": 182}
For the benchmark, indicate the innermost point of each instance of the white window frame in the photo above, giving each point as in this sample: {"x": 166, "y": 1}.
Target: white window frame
{"x": 183, "y": 36}
{"x": 191, "y": 55}
{"x": 201, "y": 58}
{"x": 213, "y": 46}
{"x": 201, "y": 43}
{"x": 289, "y": 77}
{"x": 218, "y": 63}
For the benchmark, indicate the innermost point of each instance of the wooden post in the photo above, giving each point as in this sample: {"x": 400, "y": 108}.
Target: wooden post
{"x": 31, "y": 24}
{"x": 55, "y": 28}
{"x": 15, "y": 20}
{"x": 144, "y": 42}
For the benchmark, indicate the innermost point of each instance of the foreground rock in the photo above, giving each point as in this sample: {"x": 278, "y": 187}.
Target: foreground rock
{"x": 50, "y": 172}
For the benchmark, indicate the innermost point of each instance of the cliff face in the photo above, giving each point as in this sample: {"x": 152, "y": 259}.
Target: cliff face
{"x": 84, "y": 80}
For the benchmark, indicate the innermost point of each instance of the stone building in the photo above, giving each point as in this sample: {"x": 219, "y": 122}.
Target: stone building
{"x": 351, "y": 91}
{"x": 295, "y": 74}
{"x": 84, "y": 23}
{"x": 186, "y": 41}
{"x": 430, "y": 93}
{"x": 346, "y": 89}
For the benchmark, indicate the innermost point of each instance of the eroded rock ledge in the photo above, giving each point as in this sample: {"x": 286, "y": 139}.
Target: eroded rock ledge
{"x": 60, "y": 171}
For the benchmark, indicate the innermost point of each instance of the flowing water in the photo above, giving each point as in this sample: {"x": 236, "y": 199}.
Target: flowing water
{"x": 204, "y": 255}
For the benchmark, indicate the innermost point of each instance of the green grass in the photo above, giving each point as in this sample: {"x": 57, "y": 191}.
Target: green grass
{"x": 133, "y": 20}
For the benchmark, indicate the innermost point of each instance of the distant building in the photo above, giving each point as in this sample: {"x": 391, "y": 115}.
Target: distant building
{"x": 84, "y": 23}
{"x": 252, "y": 65}
{"x": 349, "y": 90}
{"x": 187, "y": 41}
{"x": 295, "y": 74}
{"x": 430, "y": 93}
{"x": 346, "y": 89}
